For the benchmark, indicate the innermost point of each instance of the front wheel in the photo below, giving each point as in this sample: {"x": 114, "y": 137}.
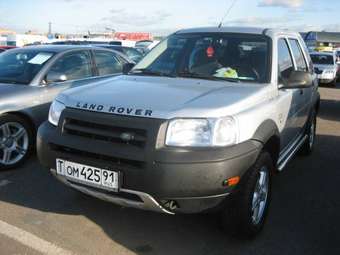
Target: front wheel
{"x": 244, "y": 216}
{"x": 16, "y": 141}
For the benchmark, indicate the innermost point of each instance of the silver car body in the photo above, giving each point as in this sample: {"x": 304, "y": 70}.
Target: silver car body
{"x": 32, "y": 101}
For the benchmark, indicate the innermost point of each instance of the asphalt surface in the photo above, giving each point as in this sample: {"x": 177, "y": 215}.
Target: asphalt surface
{"x": 303, "y": 218}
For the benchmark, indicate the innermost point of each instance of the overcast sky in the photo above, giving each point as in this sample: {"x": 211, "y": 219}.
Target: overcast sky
{"x": 161, "y": 16}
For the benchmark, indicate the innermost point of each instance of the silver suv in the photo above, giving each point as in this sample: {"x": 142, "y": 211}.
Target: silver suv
{"x": 200, "y": 124}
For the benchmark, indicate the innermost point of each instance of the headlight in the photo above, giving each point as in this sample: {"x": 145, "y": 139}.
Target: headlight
{"x": 202, "y": 132}
{"x": 55, "y": 112}
{"x": 329, "y": 71}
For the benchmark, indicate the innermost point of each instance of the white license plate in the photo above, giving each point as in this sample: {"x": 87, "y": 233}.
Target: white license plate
{"x": 90, "y": 175}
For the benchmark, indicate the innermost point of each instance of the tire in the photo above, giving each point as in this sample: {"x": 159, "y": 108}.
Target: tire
{"x": 333, "y": 83}
{"x": 16, "y": 141}
{"x": 238, "y": 217}
{"x": 308, "y": 146}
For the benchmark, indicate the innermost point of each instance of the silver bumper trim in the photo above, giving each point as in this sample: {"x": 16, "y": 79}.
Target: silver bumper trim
{"x": 149, "y": 203}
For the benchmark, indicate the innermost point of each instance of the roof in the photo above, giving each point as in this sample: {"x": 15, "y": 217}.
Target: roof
{"x": 55, "y": 48}
{"x": 242, "y": 30}
{"x": 248, "y": 30}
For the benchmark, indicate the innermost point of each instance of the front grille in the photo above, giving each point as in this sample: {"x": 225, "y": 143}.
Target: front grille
{"x": 103, "y": 132}
{"x": 97, "y": 136}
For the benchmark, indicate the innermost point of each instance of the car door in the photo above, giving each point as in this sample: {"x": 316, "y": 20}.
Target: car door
{"x": 305, "y": 94}
{"x": 107, "y": 63}
{"x": 289, "y": 100}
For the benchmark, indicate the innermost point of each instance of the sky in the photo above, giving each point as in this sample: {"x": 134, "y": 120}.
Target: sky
{"x": 162, "y": 17}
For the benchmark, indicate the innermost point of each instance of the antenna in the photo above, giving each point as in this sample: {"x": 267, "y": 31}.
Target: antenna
{"x": 227, "y": 13}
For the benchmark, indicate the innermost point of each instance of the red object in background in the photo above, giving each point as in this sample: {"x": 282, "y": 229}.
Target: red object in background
{"x": 210, "y": 52}
{"x": 7, "y": 47}
{"x": 133, "y": 36}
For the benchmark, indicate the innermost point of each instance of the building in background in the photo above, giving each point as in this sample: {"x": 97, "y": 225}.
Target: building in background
{"x": 315, "y": 40}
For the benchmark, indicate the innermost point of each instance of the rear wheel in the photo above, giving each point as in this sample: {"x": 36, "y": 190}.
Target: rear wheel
{"x": 245, "y": 214}
{"x": 308, "y": 146}
{"x": 16, "y": 141}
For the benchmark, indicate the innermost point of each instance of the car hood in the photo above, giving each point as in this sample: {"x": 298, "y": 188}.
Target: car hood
{"x": 325, "y": 67}
{"x": 162, "y": 97}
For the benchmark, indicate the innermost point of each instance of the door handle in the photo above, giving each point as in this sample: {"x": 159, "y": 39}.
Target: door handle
{"x": 301, "y": 91}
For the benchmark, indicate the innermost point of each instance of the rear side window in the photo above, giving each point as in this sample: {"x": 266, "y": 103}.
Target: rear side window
{"x": 298, "y": 55}
{"x": 286, "y": 66}
{"x": 107, "y": 63}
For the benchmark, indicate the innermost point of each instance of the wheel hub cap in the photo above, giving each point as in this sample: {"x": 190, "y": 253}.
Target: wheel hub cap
{"x": 9, "y": 142}
{"x": 260, "y": 196}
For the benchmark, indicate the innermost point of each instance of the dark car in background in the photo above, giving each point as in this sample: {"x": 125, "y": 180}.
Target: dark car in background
{"x": 132, "y": 53}
{"x": 31, "y": 77}
{"x": 4, "y": 48}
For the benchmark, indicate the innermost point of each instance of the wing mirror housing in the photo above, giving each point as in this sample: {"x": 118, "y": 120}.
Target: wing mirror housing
{"x": 127, "y": 67}
{"x": 298, "y": 80}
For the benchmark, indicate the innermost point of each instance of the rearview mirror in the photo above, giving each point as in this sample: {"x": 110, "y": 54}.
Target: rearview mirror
{"x": 298, "y": 79}
{"x": 127, "y": 67}
{"x": 55, "y": 77}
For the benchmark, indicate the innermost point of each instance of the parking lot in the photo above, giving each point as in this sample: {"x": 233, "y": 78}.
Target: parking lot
{"x": 36, "y": 211}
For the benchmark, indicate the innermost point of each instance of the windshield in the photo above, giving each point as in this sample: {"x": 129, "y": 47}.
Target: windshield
{"x": 322, "y": 59}
{"x": 20, "y": 67}
{"x": 239, "y": 57}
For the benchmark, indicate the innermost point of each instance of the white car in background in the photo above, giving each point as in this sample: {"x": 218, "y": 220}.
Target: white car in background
{"x": 325, "y": 66}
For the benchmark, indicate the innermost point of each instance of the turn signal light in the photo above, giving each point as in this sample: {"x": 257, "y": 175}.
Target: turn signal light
{"x": 232, "y": 181}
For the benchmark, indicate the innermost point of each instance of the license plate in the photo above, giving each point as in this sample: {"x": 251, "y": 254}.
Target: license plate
{"x": 89, "y": 175}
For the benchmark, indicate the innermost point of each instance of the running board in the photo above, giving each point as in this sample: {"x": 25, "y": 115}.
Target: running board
{"x": 282, "y": 165}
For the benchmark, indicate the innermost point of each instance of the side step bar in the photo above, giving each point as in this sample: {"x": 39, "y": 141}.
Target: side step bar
{"x": 284, "y": 159}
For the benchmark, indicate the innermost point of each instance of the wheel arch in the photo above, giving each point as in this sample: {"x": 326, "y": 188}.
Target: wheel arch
{"x": 268, "y": 134}
{"x": 27, "y": 118}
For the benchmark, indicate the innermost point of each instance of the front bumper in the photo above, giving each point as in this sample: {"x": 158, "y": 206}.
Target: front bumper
{"x": 326, "y": 78}
{"x": 192, "y": 178}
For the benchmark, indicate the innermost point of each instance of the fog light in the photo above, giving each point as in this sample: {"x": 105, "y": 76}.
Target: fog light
{"x": 170, "y": 204}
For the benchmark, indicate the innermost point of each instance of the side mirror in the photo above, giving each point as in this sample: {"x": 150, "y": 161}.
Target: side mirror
{"x": 55, "y": 77}
{"x": 298, "y": 79}
{"x": 127, "y": 67}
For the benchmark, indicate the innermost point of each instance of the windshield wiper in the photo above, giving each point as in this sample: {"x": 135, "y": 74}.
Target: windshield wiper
{"x": 145, "y": 71}
{"x": 205, "y": 77}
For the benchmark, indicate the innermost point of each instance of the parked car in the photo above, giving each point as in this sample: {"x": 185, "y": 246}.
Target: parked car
{"x": 145, "y": 46}
{"x": 200, "y": 124}
{"x": 4, "y": 48}
{"x": 325, "y": 66}
{"x": 131, "y": 53}
{"x": 31, "y": 77}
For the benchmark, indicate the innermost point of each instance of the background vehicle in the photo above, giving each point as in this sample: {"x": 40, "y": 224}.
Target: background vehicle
{"x": 4, "y": 48}
{"x": 200, "y": 124}
{"x": 325, "y": 66}
{"x": 131, "y": 53}
{"x": 31, "y": 77}
{"x": 146, "y": 45}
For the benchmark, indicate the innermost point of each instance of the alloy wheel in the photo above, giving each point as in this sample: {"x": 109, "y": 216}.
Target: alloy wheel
{"x": 14, "y": 143}
{"x": 260, "y": 196}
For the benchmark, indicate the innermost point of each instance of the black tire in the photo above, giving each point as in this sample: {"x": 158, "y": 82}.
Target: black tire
{"x": 333, "y": 83}
{"x": 29, "y": 141}
{"x": 308, "y": 146}
{"x": 237, "y": 216}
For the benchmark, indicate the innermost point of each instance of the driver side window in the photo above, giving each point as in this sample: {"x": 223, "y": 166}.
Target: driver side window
{"x": 286, "y": 66}
{"x": 72, "y": 66}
